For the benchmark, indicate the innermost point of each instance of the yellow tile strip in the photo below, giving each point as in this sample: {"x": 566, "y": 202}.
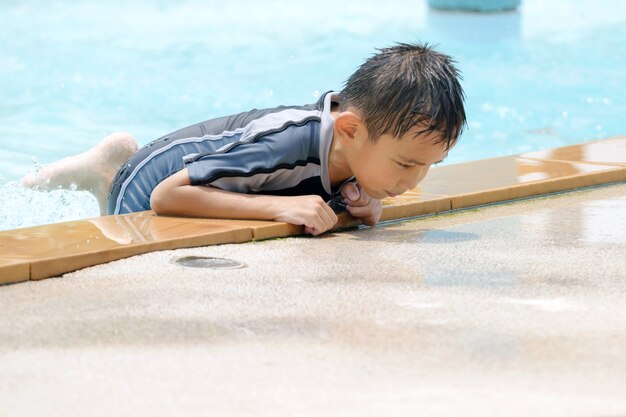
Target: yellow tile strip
{"x": 51, "y": 250}
{"x": 507, "y": 178}
{"x": 12, "y": 271}
{"x": 604, "y": 152}
{"x": 265, "y": 229}
{"x": 54, "y": 249}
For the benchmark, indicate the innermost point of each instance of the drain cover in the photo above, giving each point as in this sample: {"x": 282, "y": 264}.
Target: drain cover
{"x": 208, "y": 262}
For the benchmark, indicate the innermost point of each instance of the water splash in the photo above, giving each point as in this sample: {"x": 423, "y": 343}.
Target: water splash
{"x": 22, "y": 207}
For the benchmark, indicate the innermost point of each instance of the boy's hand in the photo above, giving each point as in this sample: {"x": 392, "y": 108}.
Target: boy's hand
{"x": 310, "y": 211}
{"x": 359, "y": 204}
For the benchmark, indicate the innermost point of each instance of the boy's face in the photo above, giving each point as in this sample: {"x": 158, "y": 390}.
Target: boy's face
{"x": 389, "y": 166}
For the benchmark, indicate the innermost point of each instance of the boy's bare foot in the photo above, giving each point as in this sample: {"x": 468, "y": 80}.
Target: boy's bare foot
{"x": 92, "y": 170}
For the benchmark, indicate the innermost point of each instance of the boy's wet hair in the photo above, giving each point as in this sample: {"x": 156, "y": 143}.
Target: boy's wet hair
{"x": 404, "y": 86}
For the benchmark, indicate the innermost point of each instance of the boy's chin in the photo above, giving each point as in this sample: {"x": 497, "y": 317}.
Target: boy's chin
{"x": 377, "y": 194}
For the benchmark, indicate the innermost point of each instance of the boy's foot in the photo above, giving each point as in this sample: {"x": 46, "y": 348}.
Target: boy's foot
{"x": 92, "y": 170}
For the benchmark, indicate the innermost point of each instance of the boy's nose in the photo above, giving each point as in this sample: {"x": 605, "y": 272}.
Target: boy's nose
{"x": 411, "y": 182}
{"x": 407, "y": 184}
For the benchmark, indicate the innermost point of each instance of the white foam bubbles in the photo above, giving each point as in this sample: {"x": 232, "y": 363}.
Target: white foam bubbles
{"x": 22, "y": 207}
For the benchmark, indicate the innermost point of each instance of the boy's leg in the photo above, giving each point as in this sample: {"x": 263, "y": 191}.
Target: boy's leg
{"x": 92, "y": 170}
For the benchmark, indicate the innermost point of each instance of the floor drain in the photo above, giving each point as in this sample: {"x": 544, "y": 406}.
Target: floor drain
{"x": 208, "y": 262}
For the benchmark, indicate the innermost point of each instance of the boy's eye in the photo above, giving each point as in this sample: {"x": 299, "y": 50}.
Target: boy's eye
{"x": 403, "y": 166}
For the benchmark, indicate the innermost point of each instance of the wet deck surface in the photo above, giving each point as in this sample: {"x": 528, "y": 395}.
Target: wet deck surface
{"x": 512, "y": 310}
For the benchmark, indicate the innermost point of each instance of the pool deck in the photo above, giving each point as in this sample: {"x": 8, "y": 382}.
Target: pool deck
{"x": 51, "y": 250}
{"x": 508, "y": 310}
{"x": 512, "y": 309}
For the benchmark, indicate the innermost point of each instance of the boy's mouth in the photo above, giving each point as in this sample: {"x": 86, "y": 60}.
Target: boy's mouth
{"x": 390, "y": 194}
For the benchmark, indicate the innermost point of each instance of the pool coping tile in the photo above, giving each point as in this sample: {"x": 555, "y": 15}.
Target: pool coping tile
{"x": 55, "y": 266}
{"x": 59, "y": 248}
{"x": 12, "y": 271}
{"x": 611, "y": 151}
{"x": 262, "y": 230}
{"x": 413, "y": 203}
{"x": 537, "y": 188}
{"x": 474, "y": 183}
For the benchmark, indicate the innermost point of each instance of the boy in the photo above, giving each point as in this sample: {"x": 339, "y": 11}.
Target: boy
{"x": 399, "y": 113}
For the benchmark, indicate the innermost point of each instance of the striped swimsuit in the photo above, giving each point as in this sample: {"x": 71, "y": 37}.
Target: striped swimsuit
{"x": 279, "y": 151}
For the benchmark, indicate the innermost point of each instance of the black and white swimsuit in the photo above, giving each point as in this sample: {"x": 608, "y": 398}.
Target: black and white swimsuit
{"x": 279, "y": 151}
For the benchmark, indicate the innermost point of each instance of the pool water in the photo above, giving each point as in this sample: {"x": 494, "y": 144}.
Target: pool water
{"x": 550, "y": 74}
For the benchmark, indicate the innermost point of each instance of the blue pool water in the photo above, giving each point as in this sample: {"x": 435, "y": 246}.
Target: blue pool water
{"x": 552, "y": 73}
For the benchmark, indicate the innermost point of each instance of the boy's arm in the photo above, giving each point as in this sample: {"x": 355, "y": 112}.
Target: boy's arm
{"x": 176, "y": 196}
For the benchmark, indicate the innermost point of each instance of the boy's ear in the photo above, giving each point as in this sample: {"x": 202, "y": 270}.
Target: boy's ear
{"x": 348, "y": 126}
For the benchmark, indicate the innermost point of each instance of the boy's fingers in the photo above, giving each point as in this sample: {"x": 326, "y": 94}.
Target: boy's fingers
{"x": 314, "y": 214}
{"x": 323, "y": 221}
{"x": 350, "y": 192}
{"x": 313, "y": 228}
{"x": 329, "y": 216}
{"x": 369, "y": 215}
{"x": 310, "y": 231}
{"x": 363, "y": 198}
{"x": 359, "y": 211}
{"x": 369, "y": 219}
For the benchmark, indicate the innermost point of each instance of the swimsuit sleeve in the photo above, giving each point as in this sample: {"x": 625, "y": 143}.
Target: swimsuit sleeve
{"x": 274, "y": 161}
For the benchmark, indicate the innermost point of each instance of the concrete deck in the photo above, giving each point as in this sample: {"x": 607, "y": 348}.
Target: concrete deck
{"x": 508, "y": 310}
